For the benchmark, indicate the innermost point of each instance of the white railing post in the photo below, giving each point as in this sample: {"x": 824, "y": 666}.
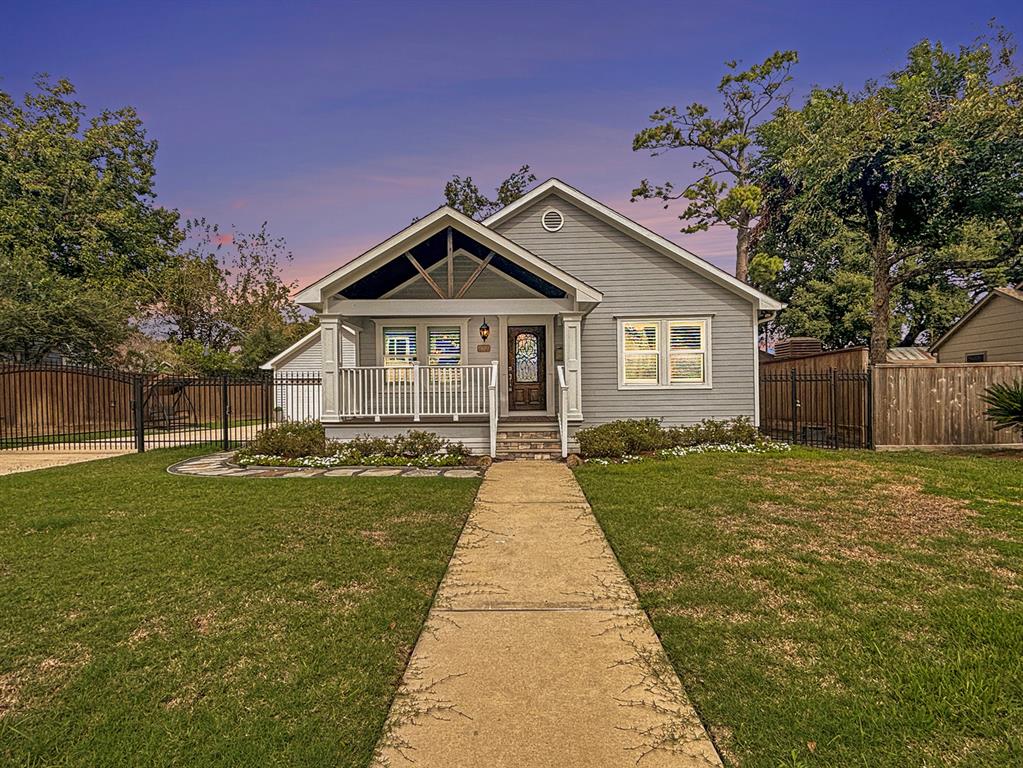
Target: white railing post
{"x": 415, "y": 392}
{"x": 492, "y": 395}
{"x": 563, "y": 411}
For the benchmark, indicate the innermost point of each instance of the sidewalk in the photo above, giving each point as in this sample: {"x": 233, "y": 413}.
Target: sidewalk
{"x": 535, "y": 652}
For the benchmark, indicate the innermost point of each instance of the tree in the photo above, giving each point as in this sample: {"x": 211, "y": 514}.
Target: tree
{"x": 727, "y": 191}
{"x": 79, "y": 220}
{"x": 465, "y": 196}
{"x": 911, "y": 167}
{"x": 224, "y": 294}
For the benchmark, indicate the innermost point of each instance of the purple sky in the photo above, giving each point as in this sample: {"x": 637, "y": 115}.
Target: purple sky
{"x": 338, "y": 123}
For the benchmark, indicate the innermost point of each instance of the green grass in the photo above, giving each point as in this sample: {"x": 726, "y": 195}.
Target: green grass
{"x": 149, "y": 620}
{"x": 833, "y": 609}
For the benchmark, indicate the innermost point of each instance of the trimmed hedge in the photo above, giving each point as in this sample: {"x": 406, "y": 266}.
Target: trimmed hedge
{"x": 635, "y": 437}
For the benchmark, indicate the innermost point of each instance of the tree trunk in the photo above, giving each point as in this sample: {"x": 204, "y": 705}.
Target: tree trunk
{"x": 742, "y": 240}
{"x": 880, "y": 307}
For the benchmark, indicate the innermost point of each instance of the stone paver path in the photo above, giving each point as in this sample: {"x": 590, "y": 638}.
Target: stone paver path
{"x": 536, "y": 652}
{"x": 219, "y": 465}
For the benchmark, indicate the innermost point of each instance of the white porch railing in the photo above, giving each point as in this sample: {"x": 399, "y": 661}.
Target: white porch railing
{"x": 416, "y": 391}
{"x": 562, "y": 405}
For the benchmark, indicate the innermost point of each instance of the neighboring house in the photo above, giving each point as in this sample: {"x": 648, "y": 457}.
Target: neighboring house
{"x": 553, "y": 314}
{"x": 297, "y": 390}
{"x": 991, "y": 332}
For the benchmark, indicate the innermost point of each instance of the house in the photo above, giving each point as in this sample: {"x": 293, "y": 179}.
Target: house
{"x": 509, "y": 335}
{"x": 992, "y": 331}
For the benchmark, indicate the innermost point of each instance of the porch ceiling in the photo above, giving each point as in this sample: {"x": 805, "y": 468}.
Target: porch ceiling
{"x": 430, "y": 252}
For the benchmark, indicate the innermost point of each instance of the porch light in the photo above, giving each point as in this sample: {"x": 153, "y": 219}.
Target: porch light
{"x": 484, "y": 330}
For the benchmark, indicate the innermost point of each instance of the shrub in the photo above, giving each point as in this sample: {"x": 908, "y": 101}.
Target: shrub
{"x": 621, "y": 438}
{"x": 618, "y": 439}
{"x": 1005, "y": 405}
{"x": 290, "y": 440}
{"x": 739, "y": 431}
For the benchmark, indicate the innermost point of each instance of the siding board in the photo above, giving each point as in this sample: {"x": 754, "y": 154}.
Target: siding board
{"x": 638, "y": 281}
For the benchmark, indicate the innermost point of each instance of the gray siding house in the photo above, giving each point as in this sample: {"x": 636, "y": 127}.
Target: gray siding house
{"x": 554, "y": 314}
{"x": 991, "y": 332}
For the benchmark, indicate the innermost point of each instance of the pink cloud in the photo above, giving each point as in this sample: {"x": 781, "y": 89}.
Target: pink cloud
{"x": 223, "y": 239}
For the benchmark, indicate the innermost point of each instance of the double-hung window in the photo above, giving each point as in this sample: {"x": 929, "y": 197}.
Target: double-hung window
{"x": 399, "y": 351}
{"x": 445, "y": 345}
{"x": 672, "y": 352}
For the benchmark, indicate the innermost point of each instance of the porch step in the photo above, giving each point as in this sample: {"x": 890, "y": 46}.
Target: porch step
{"x": 534, "y": 441}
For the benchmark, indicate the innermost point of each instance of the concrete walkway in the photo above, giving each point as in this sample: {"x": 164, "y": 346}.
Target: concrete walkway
{"x": 536, "y": 652}
{"x": 12, "y": 461}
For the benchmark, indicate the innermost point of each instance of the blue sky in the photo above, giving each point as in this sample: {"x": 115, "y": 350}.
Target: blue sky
{"x": 338, "y": 123}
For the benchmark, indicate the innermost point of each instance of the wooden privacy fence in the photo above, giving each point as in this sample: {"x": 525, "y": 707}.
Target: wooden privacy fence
{"x": 939, "y": 405}
{"x": 61, "y": 406}
{"x": 829, "y": 409}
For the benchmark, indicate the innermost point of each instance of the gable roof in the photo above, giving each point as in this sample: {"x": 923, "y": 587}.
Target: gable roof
{"x": 282, "y": 357}
{"x": 314, "y": 294}
{"x": 638, "y": 232}
{"x": 1010, "y": 293}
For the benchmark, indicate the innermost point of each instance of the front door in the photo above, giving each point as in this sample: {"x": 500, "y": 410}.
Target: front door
{"x": 527, "y": 368}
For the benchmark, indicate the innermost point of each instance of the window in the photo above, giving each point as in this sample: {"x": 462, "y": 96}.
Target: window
{"x": 399, "y": 346}
{"x": 977, "y": 357}
{"x": 445, "y": 346}
{"x": 664, "y": 353}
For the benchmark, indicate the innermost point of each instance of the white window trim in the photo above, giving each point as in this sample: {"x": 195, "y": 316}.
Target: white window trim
{"x": 421, "y": 324}
{"x": 663, "y": 353}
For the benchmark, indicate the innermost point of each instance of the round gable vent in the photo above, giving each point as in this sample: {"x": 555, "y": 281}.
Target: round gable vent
{"x": 552, "y": 220}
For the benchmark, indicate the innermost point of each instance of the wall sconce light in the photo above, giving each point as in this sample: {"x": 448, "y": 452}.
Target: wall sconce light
{"x": 484, "y": 330}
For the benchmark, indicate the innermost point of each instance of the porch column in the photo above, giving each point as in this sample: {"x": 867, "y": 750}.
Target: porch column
{"x": 572, "y": 326}
{"x": 330, "y": 348}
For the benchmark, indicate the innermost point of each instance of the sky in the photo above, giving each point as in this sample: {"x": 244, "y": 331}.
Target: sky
{"x": 338, "y": 123}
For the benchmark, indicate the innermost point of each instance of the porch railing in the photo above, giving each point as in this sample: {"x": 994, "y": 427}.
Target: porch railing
{"x": 562, "y": 406}
{"x": 415, "y": 391}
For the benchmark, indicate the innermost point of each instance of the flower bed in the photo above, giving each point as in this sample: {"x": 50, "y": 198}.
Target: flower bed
{"x": 634, "y": 440}
{"x": 304, "y": 444}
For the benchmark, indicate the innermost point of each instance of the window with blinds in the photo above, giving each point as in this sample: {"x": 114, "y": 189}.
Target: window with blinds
{"x": 445, "y": 345}
{"x": 399, "y": 346}
{"x": 640, "y": 352}
{"x": 664, "y": 353}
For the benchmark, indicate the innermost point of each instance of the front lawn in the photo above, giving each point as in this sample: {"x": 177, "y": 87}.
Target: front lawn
{"x": 149, "y": 619}
{"x": 833, "y": 609}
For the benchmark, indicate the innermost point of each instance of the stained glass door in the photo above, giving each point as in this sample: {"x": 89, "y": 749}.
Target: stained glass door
{"x": 527, "y": 369}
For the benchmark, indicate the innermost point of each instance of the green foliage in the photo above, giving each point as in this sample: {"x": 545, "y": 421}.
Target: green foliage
{"x": 301, "y": 443}
{"x": 634, "y": 437}
{"x": 1005, "y": 405}
{"x": 727, "y": 191}
{"x": 79, "y": 224}
{"x": 914, "y": 182}
{"x": 290, "y": 440}
{"x": 464, "y": 195}
{"x": 223, "y": 289}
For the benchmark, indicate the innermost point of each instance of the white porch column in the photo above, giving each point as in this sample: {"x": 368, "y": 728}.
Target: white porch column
{"x": 572, "y": 327}
{"x": 330, "y": 347}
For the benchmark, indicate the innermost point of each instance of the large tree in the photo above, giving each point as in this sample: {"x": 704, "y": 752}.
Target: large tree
{"x": 727, "y": 190}
{"x": 911, "y": 169}
{"x": 224, "y": 294}
{"x": 79, "y": 226}
{"x": 463, "y": 194}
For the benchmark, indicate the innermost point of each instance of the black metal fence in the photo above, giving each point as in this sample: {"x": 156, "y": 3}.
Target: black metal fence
{"x": 60, "y": 407}
{"x": 829, "y": 409}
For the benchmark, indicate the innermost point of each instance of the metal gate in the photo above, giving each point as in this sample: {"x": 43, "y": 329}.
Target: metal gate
{"x": 829, "y": 409}
{"x": 72, "y": 407}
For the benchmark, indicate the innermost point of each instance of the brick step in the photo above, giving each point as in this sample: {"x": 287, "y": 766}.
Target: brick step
{"x": 529, "y": 455}
{"x": 530, "y": 435}
{"x": 529, "y": 446}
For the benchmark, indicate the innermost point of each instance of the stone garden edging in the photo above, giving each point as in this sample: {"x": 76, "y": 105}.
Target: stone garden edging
{"x": 220, "y": 465}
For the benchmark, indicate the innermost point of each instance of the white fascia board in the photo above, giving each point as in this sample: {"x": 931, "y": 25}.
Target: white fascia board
{"x": 314, "y": 295}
